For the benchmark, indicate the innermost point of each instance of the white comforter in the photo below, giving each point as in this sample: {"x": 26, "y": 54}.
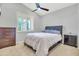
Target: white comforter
{"x": 41, "y": 42}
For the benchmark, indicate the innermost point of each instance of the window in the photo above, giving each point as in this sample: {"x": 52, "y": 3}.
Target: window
{"x": 24, "y": 24}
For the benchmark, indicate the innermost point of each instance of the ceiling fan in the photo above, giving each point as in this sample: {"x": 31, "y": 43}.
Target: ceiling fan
{"x": 39, "y": 7}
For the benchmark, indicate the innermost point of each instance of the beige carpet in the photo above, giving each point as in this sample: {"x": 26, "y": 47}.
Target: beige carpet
{"x": 64, "y": 50}
{"x": 21, "y": 50}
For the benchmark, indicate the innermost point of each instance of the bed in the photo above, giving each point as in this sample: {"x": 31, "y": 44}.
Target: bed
{"x": 43, "y": 41}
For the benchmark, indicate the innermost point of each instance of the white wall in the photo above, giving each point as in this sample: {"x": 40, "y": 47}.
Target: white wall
{"x": 8, "y": 18}
{"x": 66, "y": 17}
{"x": 78, "y": 25}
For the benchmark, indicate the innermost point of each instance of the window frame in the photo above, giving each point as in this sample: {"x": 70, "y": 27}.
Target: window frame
{"x": 24, "y": 16}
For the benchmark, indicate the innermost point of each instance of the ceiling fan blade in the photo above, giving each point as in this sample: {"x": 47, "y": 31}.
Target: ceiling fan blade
{"x": 34, "y": 10}
{"x": 37, "y": 5}
{"x": 44, "y": 9}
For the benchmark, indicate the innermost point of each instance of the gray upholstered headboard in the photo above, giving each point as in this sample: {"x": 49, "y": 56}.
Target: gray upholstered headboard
{"x": 59, "y": 28}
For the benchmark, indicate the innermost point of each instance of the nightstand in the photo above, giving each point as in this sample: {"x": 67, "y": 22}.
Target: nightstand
{"x": 70, "y": 40}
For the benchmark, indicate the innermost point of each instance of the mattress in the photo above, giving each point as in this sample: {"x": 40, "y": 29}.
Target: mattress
{"x": 41, "y": 42}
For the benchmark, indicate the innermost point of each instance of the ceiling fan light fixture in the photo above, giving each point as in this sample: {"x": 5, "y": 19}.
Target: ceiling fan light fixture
{"x": 38, "y": 8}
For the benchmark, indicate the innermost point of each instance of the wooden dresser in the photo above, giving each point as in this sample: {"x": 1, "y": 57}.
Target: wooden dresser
{"x": 7, "y": 36}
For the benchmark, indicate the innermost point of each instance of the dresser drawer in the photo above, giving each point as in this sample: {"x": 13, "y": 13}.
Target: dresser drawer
{"x": 9, "y": 35}
{"x": 6, "y": 43}
{"x": 9, "y": 30}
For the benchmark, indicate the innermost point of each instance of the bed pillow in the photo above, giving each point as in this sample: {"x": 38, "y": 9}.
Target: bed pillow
{"x": 52, "y": 31}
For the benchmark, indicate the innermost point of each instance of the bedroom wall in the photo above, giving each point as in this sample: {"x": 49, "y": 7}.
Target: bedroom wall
{"x": 66, "y": 17}
{"x": 8, "y": 18}
{"x": 78, "y": 25}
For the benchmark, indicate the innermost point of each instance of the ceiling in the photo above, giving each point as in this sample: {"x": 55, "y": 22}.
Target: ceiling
{"x": 51, "y": 6}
